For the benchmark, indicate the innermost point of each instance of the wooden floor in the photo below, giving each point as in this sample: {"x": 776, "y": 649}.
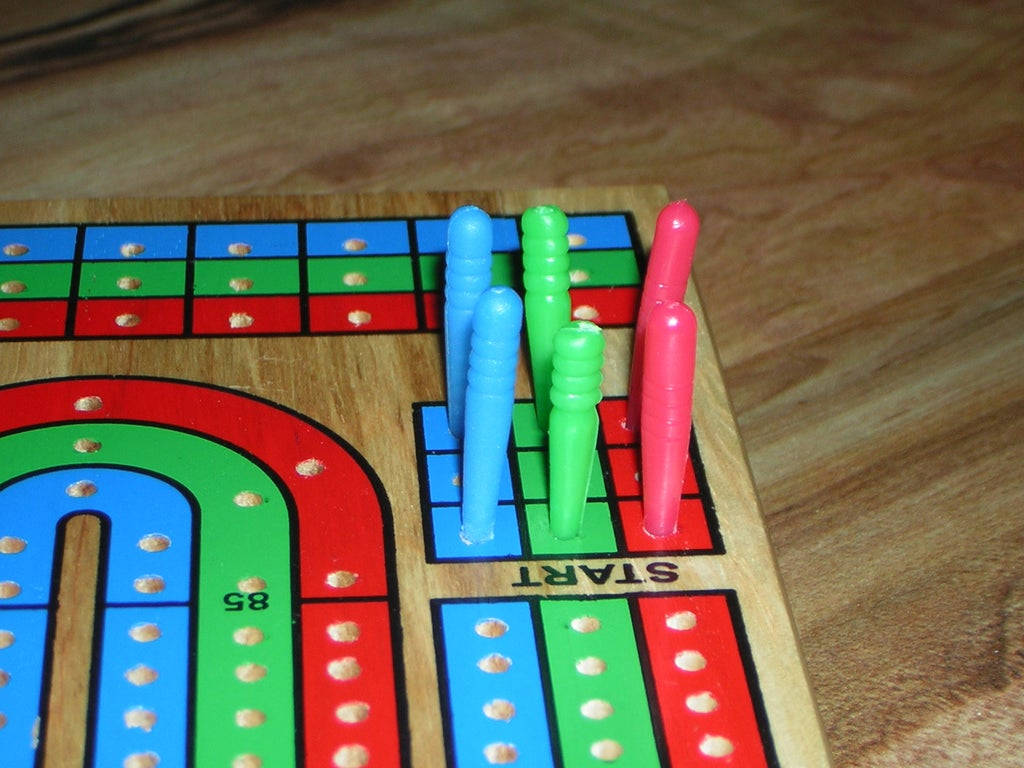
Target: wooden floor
{"x": 860, "y": 172}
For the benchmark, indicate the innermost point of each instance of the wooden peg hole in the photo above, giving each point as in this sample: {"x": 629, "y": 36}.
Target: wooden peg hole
{"x": 577, "y": 276}
{"x": 352, "y": 756}
{"x": 128, "y": 250}
{"x": 501, "y": 754}
{"x": 494, "y": 664}
{"x": 127, "y": 320}
{"x": 345, "y": 668}
{"x": 606, "y": 750}
{"x": 353, "y": 279}
{"x": 576, "y": 240}
{"x": 585, "y": 312}
{"x": 591, "y": 665}
{"x": 585, "y": 624}
{"x": 15, "y": 250}
{"x": 239, "y": 249}
{"x": 247, "y": 636}
{"x": 691, "y": 661}
{"x": 359, "y": 317}
{"x": 341, "y": 579}
{"x": 343, "y": 631}
{"x": 5, "y": 678}
{"x": 250, "y": 718}
{"x": 240, "y": 284}
{"x": 702, "y": 702}
{"x": 154, "y": 542}
{"x": 85, "y": 445}
{"x": 355, "y": 244}
{"x": 247, "y": 761}
{"x": 456, "y": 480}
{"x": 129, "y": 283}
{"x": 3, "y": 720}
{"x": 596, "y": 709}
{"x": 140, "y": 675}
{"x": 12, "y": 545}
{"x": 681, "y": 621}
{"x": 716, "y": 746}
{"x": 9, "y": 589}
{"x": 491, "y": 628}
{"x": 241, "y": 320}
{"x": 500, "y": 709}
{"x": 143, "y": 719}
{"x": 252, "y": 584}
{"x": 81, "y": 489}
{"x": 149, "y": 585}
{"x": 250, "y": 672}
{"x": 142, "y": 760}
{"x": 6, "y": 638}
{"x": 13, "y": 286}
{"x": 309, "y": 467}
{"x": 144, "y": 633}
{"x": 352, "y": 712}
{"x": 248, "y": 499}
{"x": 89, "y": 403}
{"x": 9, "y": 324}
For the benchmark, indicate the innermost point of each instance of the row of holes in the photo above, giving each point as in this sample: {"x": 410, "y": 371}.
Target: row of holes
{"x": 351, "y": 245}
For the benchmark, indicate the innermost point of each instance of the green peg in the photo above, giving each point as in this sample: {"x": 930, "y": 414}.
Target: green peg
{"x": 546, "y": 300}
{"x": 575, "y": 393}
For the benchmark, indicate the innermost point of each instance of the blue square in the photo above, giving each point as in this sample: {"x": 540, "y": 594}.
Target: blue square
{"x": 432, "y": 235}
{"x": 43, "y": 244}
{"x": 444, "y": 479}
{"x": 600, "y": 232}
{"x": 446, "y": 522}
{"x": 121, "y": 242}
{"x": 436, "y": 436}
{"x": 357, "y": 238}
{"x": 225, "y": 241}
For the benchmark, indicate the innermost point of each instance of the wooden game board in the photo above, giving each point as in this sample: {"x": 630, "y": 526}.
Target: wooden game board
{"x": 228, "y": 511}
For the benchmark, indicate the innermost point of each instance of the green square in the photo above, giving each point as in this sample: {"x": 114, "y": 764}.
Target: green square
{"x": 39, "y": 280}
{"x": 595, "y": 537}
{"x": 600, "y": 269}
{"x": 533, "y": 474}
{"x": 506, "y": 269}
{"x": 233, "y": 277}
{"x": 132, "y": 278}
{"x": 360, "y": 274}
{"x": 527, "y": 431}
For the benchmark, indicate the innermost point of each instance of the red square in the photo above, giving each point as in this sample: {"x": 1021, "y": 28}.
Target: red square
{"x": 363, "y": 312}
{"x": 607, "y": 307}
{"x": 612, "y": 411}
{"x": 130, "y": 317}
{"x": 249, "y": 315}
{"x": 625, "y": 466}
{"x": 691, "y": 532}
{"x": 432, "y": 310}
{"x": 32, "y": 319}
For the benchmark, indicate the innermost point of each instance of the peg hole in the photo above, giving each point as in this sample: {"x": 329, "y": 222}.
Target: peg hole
{"x": 691, "y": 661}
{"x": 127, "y": 320}
{"x": 346, "y": 668}
{"x": 14, "y": 250}
{"x": 6, "y": 638}
{"x": 247, "y": 761}
{"x": 606, "y": 750}
{"x": 252, "y": 584}
{"x": 81, "y": 489}
{"x": 149, "y": 585}
{"x": 576, "y": 240}
{"x": 681, "y": 621}
{"x": 341, "y": 579}
{"x": 494, "y": 664}
{"x": 250, "y": 718}
{"x": 577, "y": 276}
{"x": 12, "y": 545}
{"x": 143, "y": 719}
{"x": 140, "y": 675}
{"x": 702, "y": 702}
{"x": 500, "y": 709}
{"x": 591, "y": 666}
{"x": 9, "y": 324}
{"x": 13, "y": 287}
{"x": 596, "y": 709}
{"x": 144, "y": 633}
{"x": 240, "y": 320}
{"x": 491, "y": 628}
{"x": 240, "y": 284}
{"x": 142, "y": 760}
{"x": 585, "y": 312}
{"x": 239, "y": 249}
{"x": 128, "y": 250}
{"x": 248, "y": 499}
{"x": 129, "y": 283}
{"x": 501, "y": 754}
{"x": 250, "y": 672}
{"x": 352, "y": 756}
{"x": 85, "y": 445}
{"x": 353, "y": 279}
{"x": 89, "y": 403}
{"x": 355, "y": 244}
{"x": 9, "y": 589}
{"x": 352, "y": 712}
{"x": 309, "y": 467}
{"x": 154, "y": 542}
{"x": 359, "y": 317}
{"x": 585, "y": 624}
{"x": 343, "y": 631}
{"x": 716, "y": 746}
{"x": 247, "y": 636}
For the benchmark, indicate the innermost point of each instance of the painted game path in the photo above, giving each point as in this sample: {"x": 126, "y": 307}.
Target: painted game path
{"x": 229, "y": 531}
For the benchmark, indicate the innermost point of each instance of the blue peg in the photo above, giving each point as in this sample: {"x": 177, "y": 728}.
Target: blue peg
{"x": 494, "y": 353}
{"x": 467, "y": 274}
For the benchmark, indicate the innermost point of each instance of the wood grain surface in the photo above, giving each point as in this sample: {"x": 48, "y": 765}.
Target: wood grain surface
{"x": 860, "y": 173}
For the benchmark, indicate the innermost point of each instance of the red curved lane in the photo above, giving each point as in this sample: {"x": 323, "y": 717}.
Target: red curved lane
{"x": 341, "y": 528}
